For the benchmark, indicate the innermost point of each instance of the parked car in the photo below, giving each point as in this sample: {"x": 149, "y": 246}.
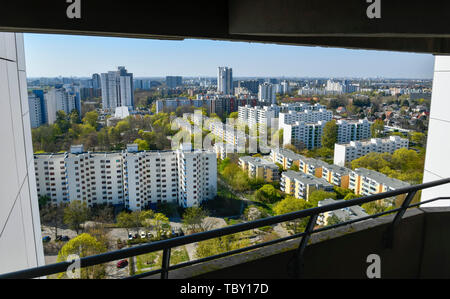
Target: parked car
{"x": 180, "y": 232}
{"x": 130, "y": 237}
{"x": 135, "y": 236}
{"x": 65, "y": 238}
{"x": 46, "y": 239}
{"x": 122, "y": 264}
{"x": 149, "y": 235}
{"x": 143, "y": 235}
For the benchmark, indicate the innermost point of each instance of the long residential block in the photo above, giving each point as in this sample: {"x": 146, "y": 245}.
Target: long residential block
{"x": 135, "y": 179}
{"x": 345, "y": 153}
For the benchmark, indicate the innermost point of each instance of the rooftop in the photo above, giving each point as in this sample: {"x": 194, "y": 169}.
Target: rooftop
{"x": 305, "y": 178}
{"x": 380, "y": 178}
{"x": 348, "y": 213}
{"x": 337, "y": 169}
{"x": 259, "y": 162}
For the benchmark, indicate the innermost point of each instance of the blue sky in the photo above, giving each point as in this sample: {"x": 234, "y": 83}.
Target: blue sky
{"x": 64, "y": 55}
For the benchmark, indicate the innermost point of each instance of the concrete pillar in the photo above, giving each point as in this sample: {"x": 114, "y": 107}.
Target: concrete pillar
{"x": 20, "y": 231}
{"x": 437, "y": 160}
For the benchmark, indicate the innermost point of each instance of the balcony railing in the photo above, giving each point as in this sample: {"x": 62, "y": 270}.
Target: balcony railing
{"x": 167, "y": 245}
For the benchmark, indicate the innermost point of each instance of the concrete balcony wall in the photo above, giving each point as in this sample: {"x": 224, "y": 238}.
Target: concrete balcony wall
{"x": 421, "y": 250}
{"x": 20, "y": 230}
{"x": 437, "y": 160}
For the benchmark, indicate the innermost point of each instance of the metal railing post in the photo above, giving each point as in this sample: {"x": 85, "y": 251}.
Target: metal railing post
{"x": 389, "y": 234}
{"x": 298, "y": 258}
{"x": 165, "y": 263}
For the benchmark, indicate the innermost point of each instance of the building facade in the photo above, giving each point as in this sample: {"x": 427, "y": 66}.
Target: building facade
{"x": 117, "y": 89}
{"x": 345, "y": 153}
{"x": 225, "y": 80}
{"x": 301, "y": 185}
{"x": 259, "y": 168}
{"x": 135, "y": 179}
{"x": 353, "y": 130}
{"x": 20, "y": 228}
{"x": 266, "y": 93}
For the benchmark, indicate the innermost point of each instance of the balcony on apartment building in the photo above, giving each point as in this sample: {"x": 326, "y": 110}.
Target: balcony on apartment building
{"x": 411, "y": 241}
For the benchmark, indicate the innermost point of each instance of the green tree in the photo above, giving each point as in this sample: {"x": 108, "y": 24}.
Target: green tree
{"x": 351, "y": 196}
{"x": 294, "y": 167}
{"x": 418, "y": 138}
{"x": 124, "y": 220}
{"x": 62, "y": 121}
{"x": 83, "y": 245}
{"x": 234, "y": 115}
{"x": 145, "y": 219}
{"x": 320, "y": 195}
{"x": 142, "y": 144}
{"x": 53, "y": 215}
{"x": 43, "y": 201}
{"x": 159, "y": 221}
{"x": 377, "y": 129}
{"x": 222, "y": 244}
{"x": 330, "y": 133}
{"x": 332, "y": 220}
{"x": 292, "y": 204}
{"x": 267, "y": 194}
{"x": 75, "y": 214}
{"x": 74, "y": 116}
{"x": 194, "y": 218}
{"x": 91, "y": 118}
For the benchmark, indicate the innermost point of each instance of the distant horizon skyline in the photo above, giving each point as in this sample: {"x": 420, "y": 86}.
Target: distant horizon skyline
{"x": 242, "y": 77}
{"x": 53, "y": 56}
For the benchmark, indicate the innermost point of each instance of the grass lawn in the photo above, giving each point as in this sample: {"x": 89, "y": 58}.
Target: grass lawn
{"x": 179, "y": 255}
{"x": 153, "y": 260}
{"x": 268, "y": 207}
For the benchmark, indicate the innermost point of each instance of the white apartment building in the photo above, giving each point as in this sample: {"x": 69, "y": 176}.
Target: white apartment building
{"x": 117, "y": 89}
{"x": 231, "y": 135}
{"x": 304, "y": 134}
{"x": 197, "y": 177}
{"x": 60, "y": 99}
{"x": 35, "y": 107}
{"x": 225, "y": 80}
{"x": 266, "y": 93}
{"x": 353, "y": 130}
{"x": 261, "y": 117}
{"x": 136, "y": 179}
{"x": 309, "y": 116}
{"x": 344, "y": 153}
{"x": 300, "y": 107}
{"x": 150, "y": 177}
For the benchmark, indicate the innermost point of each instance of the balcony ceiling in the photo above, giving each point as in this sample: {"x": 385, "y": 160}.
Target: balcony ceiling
{"x": 405, "y": 25}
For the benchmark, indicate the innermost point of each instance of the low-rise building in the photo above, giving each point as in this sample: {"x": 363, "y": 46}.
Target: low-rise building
{"x": 336, "y": 175}
{"x": 260, "y": 168}
{"x": 342, "y": 215}
{"x": 301, "y": 185}
{"x": 367, "y": 182}
{"x": 285, "y": 157}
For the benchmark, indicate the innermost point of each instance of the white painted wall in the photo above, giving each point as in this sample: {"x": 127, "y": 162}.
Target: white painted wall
{"x": 20, "y": 231}
{"x": 437, "y": 161}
